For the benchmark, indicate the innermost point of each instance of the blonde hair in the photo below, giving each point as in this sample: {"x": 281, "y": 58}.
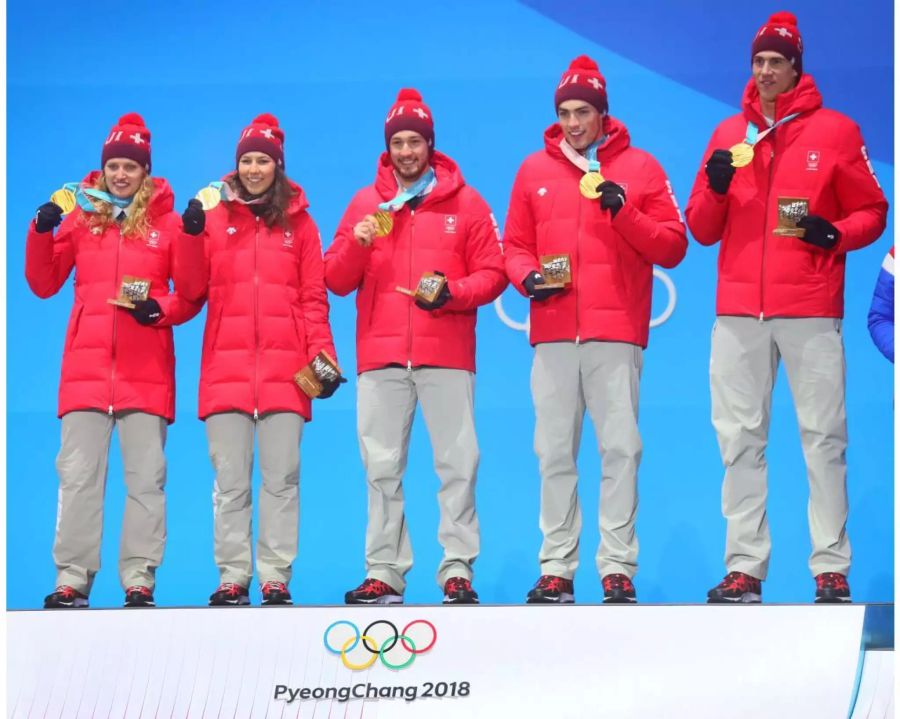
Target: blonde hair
{"x": 137, "y": 223}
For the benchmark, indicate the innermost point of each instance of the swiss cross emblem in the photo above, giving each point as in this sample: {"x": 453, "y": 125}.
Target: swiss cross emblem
{"x": 231, "y": 230}
{"x": 138, "y": 140}
{"x": 420, "y": 112}
{"x": 153, "y": 239}
{"x": 812, "y": 159}
{"x": 595, "y": 82}
{"x": 542, "y": 191}
{"x": 450, "y": 224}
{"x": 267, "y": 133}
{"x": 783, "y": 31}
{"x": 288, "y": 241}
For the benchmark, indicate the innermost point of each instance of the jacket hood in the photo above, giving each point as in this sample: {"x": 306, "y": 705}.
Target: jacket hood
{"x": 162, "y": 201}
{"x": 449, "y": 177}
{"x": 617, "y": 140}
{"x": 803, "y": 97}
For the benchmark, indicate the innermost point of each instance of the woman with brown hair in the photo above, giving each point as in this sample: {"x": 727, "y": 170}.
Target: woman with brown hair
{"x": 257, "y": 259}
{"x": 118, "y": 367}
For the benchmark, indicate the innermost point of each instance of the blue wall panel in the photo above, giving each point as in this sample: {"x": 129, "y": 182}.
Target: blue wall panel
{"x": 488, "y": 70}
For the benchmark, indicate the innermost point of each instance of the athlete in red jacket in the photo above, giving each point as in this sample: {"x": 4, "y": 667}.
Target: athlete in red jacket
{"x": 118, "y": 367}
{"x": 257, "y": 260}
{"x": 415, "y": 350}
{"x": 781, "y": 295}
{"x": 589, "y": 335}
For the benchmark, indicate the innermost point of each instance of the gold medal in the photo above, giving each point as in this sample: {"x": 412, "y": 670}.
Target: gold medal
{"x": 209, "y": 197}
{"x": 589, "y": 183}
{"x": 65, "y": 199}
{"x": 741, "y": 154}
{"x": 384, "y": 222}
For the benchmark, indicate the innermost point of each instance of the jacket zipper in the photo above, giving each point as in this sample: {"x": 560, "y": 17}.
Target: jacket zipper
{"x": 762, "y": 270}
{"x": 412, "y": 237}
{"x": 574, "y": 269}
{"x": 112, "y": 366}
{"x": 256, "y": 323}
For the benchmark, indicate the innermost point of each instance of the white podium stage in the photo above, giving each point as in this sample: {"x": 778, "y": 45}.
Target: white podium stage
{"x": 656, "y": 661}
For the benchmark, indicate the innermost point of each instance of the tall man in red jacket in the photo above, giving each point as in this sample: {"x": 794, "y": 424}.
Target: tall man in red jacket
{"x": 781, "y": 296}
{"x": 419, "y": 216}
{"x": 589, "y": 336}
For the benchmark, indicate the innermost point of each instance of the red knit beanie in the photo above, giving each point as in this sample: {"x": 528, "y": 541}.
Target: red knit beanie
{"x": 583, "y": 81}
{"x": 409, "y": 113}
{"x": 262, "y": 135}
{"x": 780, "y": 34}
{"x": 129, "y": 138}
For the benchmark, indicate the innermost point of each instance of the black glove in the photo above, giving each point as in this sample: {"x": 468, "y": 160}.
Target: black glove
{"x": 439, "y": 301}
{"x": 719, "y": 170}
{"x": 819, "y": 231}
{"x": 147, "y": 312}
{"x": 612, "y": 197}
{"x": 194, "y": 218}
{"x": 49, "y": 215}
{"x": 532, "y": 284}
{"x": 330, "y": 387}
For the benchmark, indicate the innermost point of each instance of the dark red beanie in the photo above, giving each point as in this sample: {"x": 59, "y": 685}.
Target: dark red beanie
{"x": 409, "y": 113}
{"x": 129, "y": 138}
{"x": 780, "y": 34}
{"x": 262, "y": 135}
{"x": 583, "y": 81}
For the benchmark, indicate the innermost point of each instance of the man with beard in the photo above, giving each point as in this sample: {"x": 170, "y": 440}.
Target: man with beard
{"x": 419, "y": 226}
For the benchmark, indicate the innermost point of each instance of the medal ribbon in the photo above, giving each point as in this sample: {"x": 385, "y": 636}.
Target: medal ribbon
{"x": 82, "y": 194}
{"x": 754, "y": 135}
{"x": 405, "y": 195}
{"x": 229, "y": 195}
{"x": 593, "y": 162}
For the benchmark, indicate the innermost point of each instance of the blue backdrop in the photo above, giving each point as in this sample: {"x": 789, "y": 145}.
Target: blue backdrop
{"x": 329, "y": 70}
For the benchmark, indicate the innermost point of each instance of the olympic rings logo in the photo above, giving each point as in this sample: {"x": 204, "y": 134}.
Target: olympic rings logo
{"x": 672, "y": 298}
{"x": 344, "y": 638}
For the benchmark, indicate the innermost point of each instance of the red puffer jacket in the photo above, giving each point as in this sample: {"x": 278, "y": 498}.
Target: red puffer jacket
{"x": 452, "y": 230}
{"x": 819, "y": 156}
{"x": 268, "y": 309}
{"x": 110, "y": 361}
{"x": 611, "y": 258}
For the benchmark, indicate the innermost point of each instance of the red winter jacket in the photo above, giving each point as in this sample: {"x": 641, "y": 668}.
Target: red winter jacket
{"x": 819, "y": 156}
{"x": 452, "y": 230}
{"x": 110, "y": 361}
{"x": 268, "y": 309}
{"x": 612, "y": 259}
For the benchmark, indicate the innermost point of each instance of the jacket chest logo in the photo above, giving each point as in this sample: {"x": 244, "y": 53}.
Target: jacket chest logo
{"x": 288, "y": 241}
{"x": 153, "y": 239}
{"x": 450, "y": 224}
{"x": 812, "y": 159}
{"x": 231, "y": 230}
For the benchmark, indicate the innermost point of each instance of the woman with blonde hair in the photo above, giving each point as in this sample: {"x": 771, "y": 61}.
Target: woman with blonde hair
{"x": 118, "y": 367}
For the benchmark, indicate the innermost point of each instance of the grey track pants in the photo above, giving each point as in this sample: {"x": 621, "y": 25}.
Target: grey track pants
{"x": 82, "y": 468}
{"x": 603, "y": 377}
{"x": 230, "y": 436}
{"x": 386, "y": 403}
{"x": 743, "y": 364}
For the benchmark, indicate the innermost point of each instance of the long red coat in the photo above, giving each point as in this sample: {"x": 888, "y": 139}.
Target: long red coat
{"x": 611, "y": 258}
{"x": 818, "y": 156}
{"x": 452, "y": 230}
{"x": 110, "y": 361}
{"x": 268, "y": 310}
